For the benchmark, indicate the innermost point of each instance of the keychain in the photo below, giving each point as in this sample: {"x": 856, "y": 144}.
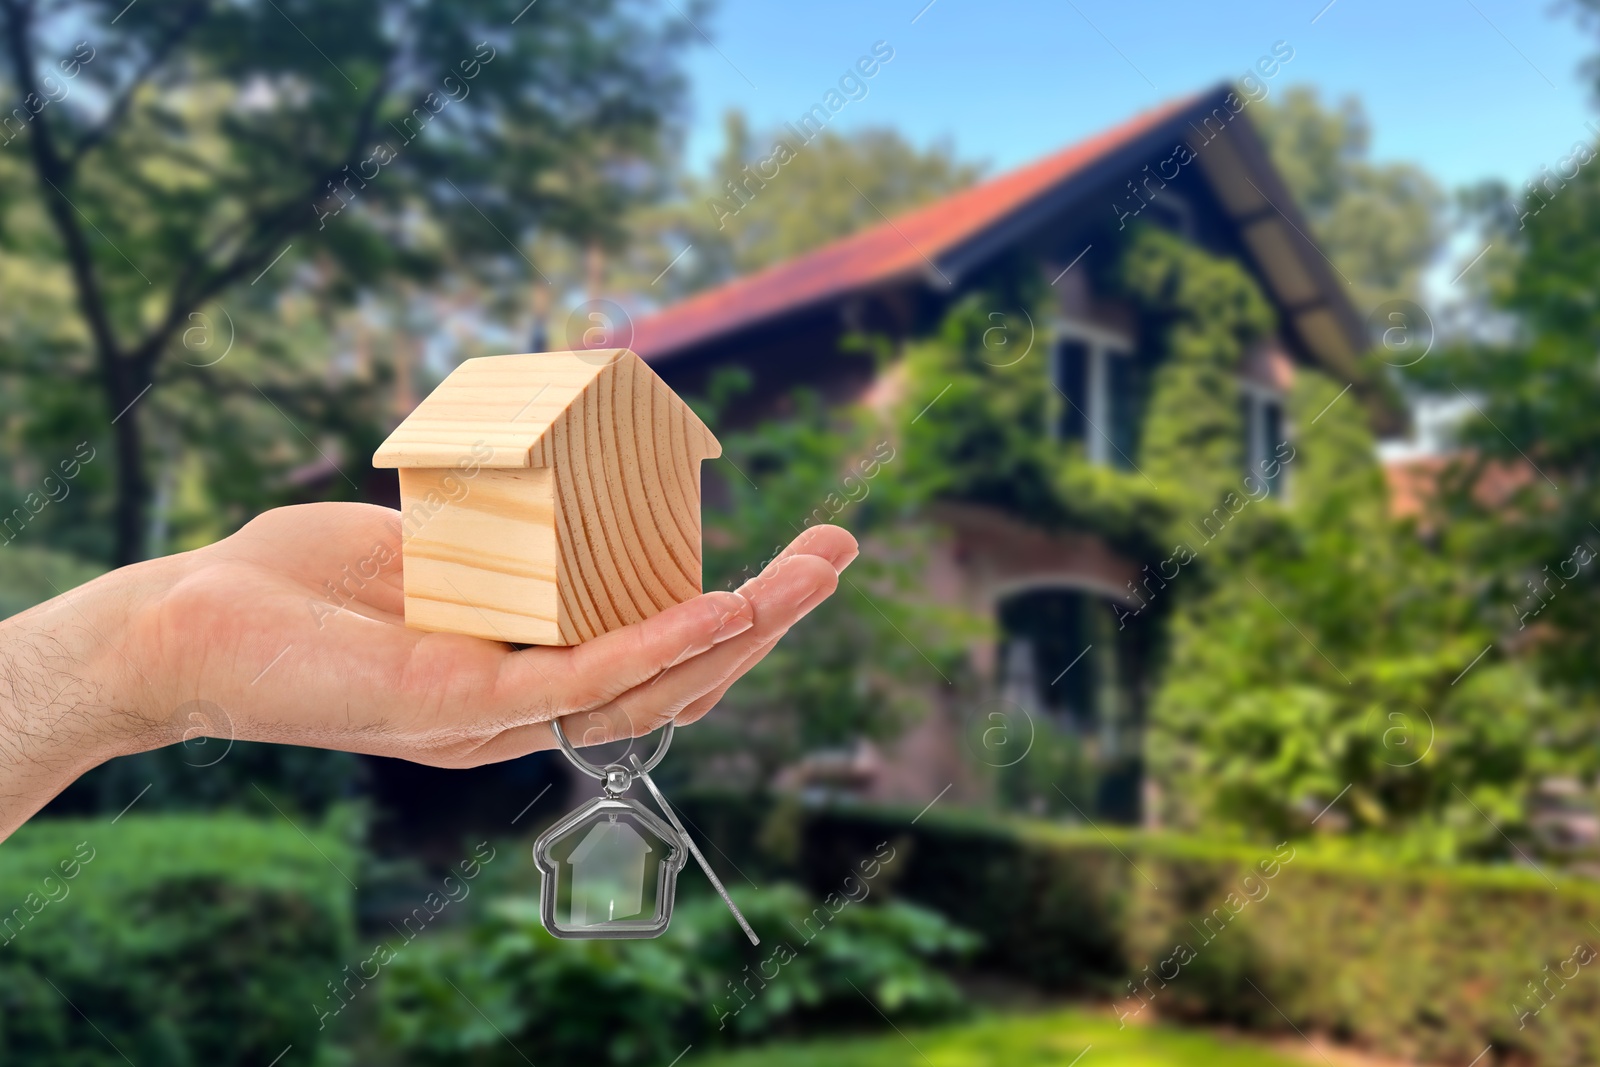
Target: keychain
{"x": 610, "y": 868}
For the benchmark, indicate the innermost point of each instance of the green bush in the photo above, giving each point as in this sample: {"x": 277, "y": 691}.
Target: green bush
{"x": 510, "y": 990}
{"x": 1429, "y": 962}
{"x": 170, "y": 940}
{"x": 31, "y": 575}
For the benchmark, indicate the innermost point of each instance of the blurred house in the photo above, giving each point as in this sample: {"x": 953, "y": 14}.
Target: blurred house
{"x": 1195, "y": 166}
{"x": 1417, "y": 483}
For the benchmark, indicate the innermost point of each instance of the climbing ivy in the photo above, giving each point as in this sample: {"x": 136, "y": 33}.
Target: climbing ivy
{"x": 1206, "y": 312}
{"x": 977, "y": 417}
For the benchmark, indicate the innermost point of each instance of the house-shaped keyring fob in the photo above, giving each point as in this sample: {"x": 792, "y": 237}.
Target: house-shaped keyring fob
{"x": 609, "y": 869}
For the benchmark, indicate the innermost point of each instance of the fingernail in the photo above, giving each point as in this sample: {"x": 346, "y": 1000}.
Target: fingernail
{"x": 735, "y": 615}
{"x": 844, "y": 559}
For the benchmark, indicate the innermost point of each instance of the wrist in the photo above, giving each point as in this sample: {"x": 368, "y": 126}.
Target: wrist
{"x": 71, "y": 694}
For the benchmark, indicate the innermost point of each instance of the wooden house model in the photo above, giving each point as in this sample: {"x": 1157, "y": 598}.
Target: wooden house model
{"x": 548, "y": 498}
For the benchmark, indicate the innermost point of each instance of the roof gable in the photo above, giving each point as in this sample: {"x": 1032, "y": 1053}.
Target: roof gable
{"x": 938, "y": 242}
{"x": 507, "y": 405}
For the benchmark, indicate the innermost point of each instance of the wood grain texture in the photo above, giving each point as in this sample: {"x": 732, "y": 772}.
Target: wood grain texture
{"x": 627, "y": 461}
{"x": 581, "y": 511}
{"x": 505, "y": 406}
{"x": 480, "y": 553}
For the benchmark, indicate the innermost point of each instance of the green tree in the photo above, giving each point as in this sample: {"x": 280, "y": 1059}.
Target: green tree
{"x": 1379, "y": 224}
{"x": 181, "y": 152}
{"x": 738, "y": 220}
{"x": 1334, "y": 663}
{"x": 1529, "y": 427}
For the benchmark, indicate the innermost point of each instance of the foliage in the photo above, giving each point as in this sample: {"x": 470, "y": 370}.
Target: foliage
{"x": 861, "y": 664}
{"x": 1057, "y": 776}
{"x": 980, "y": 401}
{"x": 641, "y": 1002}
{"x": 1379, "y": 224}
{"x": 1363, "y": 695}
{"x": 1411, "y": 959}
{"x": 203, "y": 774}
{"x": 829, "y": 187}
{"x": 30, "y": 576}
{"x": 986, "y": 436}
{"x": 183, "y": 940}
{"x": 1320, "y": 650}
{"x": 1208, "y": 312}
{"x": 187, "y": 148}
{"x": 1522, "y": 504}
{"x": 1057, "y": 1039}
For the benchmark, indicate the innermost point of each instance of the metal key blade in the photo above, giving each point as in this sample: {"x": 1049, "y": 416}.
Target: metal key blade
{"x": 672, "y": 817}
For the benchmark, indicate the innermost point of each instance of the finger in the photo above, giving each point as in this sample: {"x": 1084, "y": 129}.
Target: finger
{"x": 702, "y": 704}
{"x": 529, "y": 685}
{"x": 450, "y": 692}
{"x": 599, "y": 670}
{"x": 844, "y": 554}
{"x": 792, "y": 585}
{"x": 604, "y": 668}
{"x": 785, "y": 593}
{"x": 833, "y": 543}
{"x": 793, "y": 590}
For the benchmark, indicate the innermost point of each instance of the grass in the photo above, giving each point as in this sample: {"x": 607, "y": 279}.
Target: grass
{"x": 1056, "y": 1039}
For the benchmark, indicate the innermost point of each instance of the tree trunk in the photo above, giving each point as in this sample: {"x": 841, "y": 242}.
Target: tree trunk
{"x": 132, "y": 488}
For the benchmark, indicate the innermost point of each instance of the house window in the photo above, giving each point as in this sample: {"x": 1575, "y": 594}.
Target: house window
{"x": 1262, "y": 415}
{"x": 1072, "y": 659}
{"x": 1045, "y": 632}
{"x": 1102, "y": 385}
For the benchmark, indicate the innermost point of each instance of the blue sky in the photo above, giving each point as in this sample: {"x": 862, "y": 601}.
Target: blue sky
{"x": 1468, "y": 88}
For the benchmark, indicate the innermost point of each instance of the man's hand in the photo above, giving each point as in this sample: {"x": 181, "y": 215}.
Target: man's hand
{"x": 248, "y": 625}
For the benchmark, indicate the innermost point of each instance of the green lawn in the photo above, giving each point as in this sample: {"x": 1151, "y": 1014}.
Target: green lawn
{"x": 1053, "y": 1040}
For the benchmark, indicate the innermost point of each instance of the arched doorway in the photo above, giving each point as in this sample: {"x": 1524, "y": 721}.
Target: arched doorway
{"x": 1076, "y": 664}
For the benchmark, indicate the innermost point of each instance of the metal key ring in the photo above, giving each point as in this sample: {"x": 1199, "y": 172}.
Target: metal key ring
{"x": 599, "y": 772}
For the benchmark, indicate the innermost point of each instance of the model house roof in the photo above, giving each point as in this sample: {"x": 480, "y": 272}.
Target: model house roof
{"x": 498, "y": 411}
{"x": 937, "y": 243}
{"x": 613, "y": 839}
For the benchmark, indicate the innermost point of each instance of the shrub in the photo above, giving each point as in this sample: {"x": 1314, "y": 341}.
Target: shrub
{"x": 1429, "y": 962}
{"x": 510, "y": 990}
{"x": 31, "y": 575}
{"x": 171, "y": 940}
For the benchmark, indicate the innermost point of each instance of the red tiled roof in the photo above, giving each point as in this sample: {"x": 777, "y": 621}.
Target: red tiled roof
{"x": 1414, "y": 483}
{"x": 885, "y": 251}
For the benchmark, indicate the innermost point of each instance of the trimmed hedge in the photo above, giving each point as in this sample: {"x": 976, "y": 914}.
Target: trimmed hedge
{"x": 1433, "y": 963}
{"x": 182, "y": 940}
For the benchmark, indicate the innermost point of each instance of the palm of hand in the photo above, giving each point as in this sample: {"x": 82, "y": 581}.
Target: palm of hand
{"x": 292, "y": 630}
